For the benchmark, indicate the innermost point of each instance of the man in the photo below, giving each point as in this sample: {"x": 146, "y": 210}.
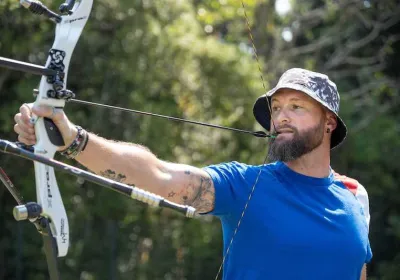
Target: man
{"x": 301, "y": 220}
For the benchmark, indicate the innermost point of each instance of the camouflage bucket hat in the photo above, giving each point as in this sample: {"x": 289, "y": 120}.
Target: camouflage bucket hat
{"x": 316, "y": 85}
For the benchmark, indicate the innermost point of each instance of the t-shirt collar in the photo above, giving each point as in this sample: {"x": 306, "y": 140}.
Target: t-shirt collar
{"x": 304, "y": 179}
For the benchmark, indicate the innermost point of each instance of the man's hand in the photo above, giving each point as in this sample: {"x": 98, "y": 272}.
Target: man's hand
{"x": 25, "y": 128}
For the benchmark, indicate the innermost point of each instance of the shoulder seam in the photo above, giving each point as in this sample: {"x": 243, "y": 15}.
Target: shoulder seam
{"x": 350, "y": 183}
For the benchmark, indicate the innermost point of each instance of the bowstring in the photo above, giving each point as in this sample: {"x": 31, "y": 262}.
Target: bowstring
{"x": 257, "y": 59}
{"x": 241, "y": 218}
{"x": 266, "y": 157}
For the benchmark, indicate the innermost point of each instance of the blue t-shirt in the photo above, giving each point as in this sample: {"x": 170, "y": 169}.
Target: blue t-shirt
{"x": 295, "y": 226}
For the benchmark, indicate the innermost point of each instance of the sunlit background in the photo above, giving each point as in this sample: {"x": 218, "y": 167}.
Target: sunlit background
{"x": 194, "y": 59}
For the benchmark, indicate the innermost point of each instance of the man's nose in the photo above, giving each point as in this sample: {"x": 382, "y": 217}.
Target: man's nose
{"x": 281, "y": 117}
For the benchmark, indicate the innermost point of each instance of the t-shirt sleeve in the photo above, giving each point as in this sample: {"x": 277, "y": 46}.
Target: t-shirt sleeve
{"x": 362, "y": 197}
{"x": 369, "y": 254}
{"x": 225, "y": 176}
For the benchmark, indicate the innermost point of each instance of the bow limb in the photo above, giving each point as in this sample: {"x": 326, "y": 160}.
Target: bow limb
{"x": 52, "y": 92}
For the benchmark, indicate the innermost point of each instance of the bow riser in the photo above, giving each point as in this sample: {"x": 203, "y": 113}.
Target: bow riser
{"x": 49, "y": 139}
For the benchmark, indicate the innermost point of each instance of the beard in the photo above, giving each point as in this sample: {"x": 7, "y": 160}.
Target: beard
{"x": 300, "y": 144}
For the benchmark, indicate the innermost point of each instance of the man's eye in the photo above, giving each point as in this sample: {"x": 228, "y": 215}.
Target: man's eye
{"x": 296, "y": 106}
{"x": 275, "y": 108}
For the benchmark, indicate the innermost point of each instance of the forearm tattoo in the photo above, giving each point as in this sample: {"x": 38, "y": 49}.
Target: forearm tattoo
{"x": 110, "y": 174}
{"x": 171, "y": 194}
{"x": 198, "y": 193}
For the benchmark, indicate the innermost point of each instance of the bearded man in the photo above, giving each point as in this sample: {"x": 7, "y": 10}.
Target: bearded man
{"x": 294, "y": 218}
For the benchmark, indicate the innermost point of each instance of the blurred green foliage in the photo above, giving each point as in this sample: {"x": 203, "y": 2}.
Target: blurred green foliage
{"x": 194, "y": 59}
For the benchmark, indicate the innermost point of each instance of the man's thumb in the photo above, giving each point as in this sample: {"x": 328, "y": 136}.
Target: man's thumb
{"x": 47, "y": 112}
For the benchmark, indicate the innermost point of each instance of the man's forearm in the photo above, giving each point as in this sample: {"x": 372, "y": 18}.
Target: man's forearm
{"x": 136, "y": 165}
{"x": 123, "y": 162}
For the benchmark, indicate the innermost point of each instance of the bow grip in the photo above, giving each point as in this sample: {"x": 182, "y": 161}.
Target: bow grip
{"x": 53, "y": 132}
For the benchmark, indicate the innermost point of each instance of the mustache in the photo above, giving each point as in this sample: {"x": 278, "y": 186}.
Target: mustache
{"x": 277, "y": 129}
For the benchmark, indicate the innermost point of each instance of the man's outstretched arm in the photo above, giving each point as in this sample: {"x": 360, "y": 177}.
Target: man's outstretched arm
{"x": 136, "y": 165}
{"x": 128, "y": 163}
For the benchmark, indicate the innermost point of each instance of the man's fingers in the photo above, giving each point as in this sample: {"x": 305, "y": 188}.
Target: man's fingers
{"x": 26, "y": 109}
{"x": 25, "y": 115}
{"x": 26, "y": 141}
{"x": 23, "y": 126}
{"x": 24, "y": 123}
{"x": 27, "y": 134}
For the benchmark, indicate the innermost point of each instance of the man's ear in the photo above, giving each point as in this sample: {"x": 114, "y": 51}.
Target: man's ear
{"x": 331, "y": 120}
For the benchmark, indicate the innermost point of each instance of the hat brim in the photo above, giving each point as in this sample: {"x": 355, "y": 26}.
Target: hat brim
{"x": 262, "y": 114}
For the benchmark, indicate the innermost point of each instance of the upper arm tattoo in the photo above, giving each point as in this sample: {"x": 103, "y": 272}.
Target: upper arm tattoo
{"x": 199, "y": 192}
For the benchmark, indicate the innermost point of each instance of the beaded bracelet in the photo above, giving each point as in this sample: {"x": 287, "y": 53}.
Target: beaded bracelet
{"x": 78, "y": 145}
